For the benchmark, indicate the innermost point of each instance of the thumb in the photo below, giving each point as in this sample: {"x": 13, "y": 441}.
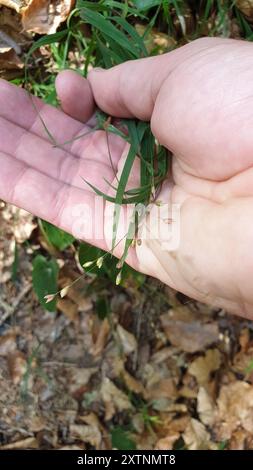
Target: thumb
{"x": 130, "y": 89}
{"x": 75, "y": 95}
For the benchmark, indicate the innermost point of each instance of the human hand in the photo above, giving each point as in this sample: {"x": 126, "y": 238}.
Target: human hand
{"x": 198, "y": 99}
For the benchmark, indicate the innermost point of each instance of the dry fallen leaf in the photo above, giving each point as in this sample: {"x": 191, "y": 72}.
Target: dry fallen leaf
{"x": 196, "y": 436}
{"x": 78, "y": 378}
{"x": 166, "y": 443}
{"x": 16, "y": 225}
{"x": 165, "y": 388}
{"x": 86, "y": 433}
{"x": 69, "y": 309}
{"x": 189, "y": 336}
{"x": 8, "y": 343}
{"x": 44, "y": 16}
{"x": 203, "y": 366}
{"x": 101, "y": 337}
{"x": 205, "y": 407}
{"x": 246, "y": 7}
{"x": 28, "y": 443}
{"x": 9, "y": 59}
{"x": 12, "y": 41}
{"x": 235, "y": 408}
{"x": 23, "y": 226}
{"x": 114, "y": 399}
{"x": 74, "y": 447}
{"x": 238, "y": 440}
{"x": 127, "y": 340}
{"x": 14, "y": 4}
{"x": 17, "y": 367}
{"x": 76, "y": 292}
{"x": 93, "y": 420}
{"x": 173, "y": 429}
{"x": 155, "y": 39}
{"x": 132, "y": 384}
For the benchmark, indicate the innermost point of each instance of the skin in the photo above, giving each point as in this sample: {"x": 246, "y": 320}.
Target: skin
{"x": 199, "y": 100}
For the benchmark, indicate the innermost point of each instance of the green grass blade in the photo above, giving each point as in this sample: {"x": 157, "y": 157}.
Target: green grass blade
{"x": 133, "y": 34}
{"x": 108, "y": 29}
{"x": 132, "y": 129}
{"x": 130, "y": 200}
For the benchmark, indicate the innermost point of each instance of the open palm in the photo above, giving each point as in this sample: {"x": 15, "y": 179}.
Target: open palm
{"x": 199, "y": 101}
{"x": 48, "y": 180}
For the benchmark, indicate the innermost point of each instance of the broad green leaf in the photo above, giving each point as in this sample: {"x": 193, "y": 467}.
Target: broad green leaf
{"x": 44, "y": 277}
{"x": 121, "y": 440}
{"x": 88, "y": 253}
{"x": 108, "y": 270}
{"x": 56, "y": 237}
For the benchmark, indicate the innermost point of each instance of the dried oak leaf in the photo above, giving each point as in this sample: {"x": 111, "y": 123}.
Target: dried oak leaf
{"x": 196, "y": 437}
{"x": 131, "y": 382}
{"x": 202, "y": 367}
{"x": 235, "y": 408}
{"x": 189, "y": 336}
{"x": 86, "y": 433}
{"x": 166, "y": 443}
{"x": 170, "y": 430}
{"x": 246, "y": 7}
{"x": 114, "y": 399}
{"x": 93, "y": 420}
{"x": 78, "y": 378}
{"x": 44, "y": 16}
{"x": 165, "y": 388}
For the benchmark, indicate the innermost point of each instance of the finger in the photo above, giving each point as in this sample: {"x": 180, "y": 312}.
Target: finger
{"x": 17, "y": 106}
{"x": 75, "y": 95}
{"x": 130, "y": 89}
{"x": 74, "y": 210}
{"x": 117, "y": 91}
